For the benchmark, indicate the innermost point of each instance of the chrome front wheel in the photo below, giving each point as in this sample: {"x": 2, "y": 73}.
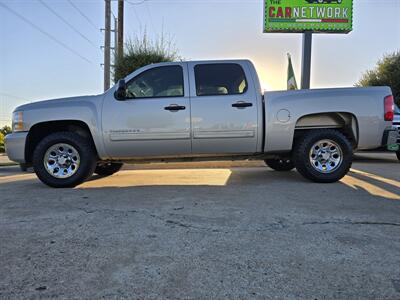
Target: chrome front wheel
{"x": 64, "y": 159}
{"x": 61, "y": 160}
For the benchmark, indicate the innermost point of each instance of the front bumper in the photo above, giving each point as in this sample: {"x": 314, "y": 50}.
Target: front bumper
{"x": 15, "y": 146}
{"x": 391, "y": 139}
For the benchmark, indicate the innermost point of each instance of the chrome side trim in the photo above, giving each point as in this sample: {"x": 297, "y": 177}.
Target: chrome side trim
{"x": 136, "y": 136}
{"x": 220, "y": 134}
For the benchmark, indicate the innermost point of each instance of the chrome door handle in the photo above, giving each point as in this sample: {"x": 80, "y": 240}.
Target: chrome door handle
{"x": 175, "y": 107}
{"x": 242, "y": 104}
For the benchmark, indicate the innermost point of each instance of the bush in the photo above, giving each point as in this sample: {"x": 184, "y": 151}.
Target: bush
{"x": 140, "y": 52}
{"x": 2, "y": 148}
{"x": 5, "y": 130}
{"x": 386, "y": 72}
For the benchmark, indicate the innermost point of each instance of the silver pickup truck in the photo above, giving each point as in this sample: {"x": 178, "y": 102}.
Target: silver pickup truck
{"x": 204, "y": 110}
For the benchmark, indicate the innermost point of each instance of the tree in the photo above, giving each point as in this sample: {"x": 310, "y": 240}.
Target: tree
{"x": 142, "y": 51}
{"x": 386, "y": 72}
{"x": 5, "y": 130}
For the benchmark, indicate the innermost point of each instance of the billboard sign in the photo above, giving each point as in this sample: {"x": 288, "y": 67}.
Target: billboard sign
{"x": 327, "y": 16}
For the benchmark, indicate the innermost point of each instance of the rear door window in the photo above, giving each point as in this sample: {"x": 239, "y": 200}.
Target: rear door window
{"x": 220, "y": 79}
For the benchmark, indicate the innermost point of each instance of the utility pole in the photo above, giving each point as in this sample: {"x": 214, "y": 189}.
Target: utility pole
{"x": 120, "y": 47}
{"x": 107, "y": 45}
{"x": 115, "y": 31}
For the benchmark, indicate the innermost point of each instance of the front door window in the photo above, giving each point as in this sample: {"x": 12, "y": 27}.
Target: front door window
{"x": 160, "y": 82}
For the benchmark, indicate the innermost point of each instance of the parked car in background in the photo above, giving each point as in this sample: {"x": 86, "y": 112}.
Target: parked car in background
{"x": 202, "y": 110}
{"x": 396, "y": 123}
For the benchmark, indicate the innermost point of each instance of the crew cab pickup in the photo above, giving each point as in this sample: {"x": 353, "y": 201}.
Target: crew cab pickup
{"x": 201, "y": 110}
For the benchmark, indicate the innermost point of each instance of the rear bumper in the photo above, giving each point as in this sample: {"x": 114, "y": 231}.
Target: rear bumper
{"x": 15, "y": 146}
{"x": 391, "y": 139}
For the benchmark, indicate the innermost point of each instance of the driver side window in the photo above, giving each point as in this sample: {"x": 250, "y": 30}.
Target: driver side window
{"x": 157, "y": 82}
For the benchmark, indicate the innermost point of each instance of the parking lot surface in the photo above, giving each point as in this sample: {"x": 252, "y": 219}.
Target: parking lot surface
{"x": 203, "y": 231}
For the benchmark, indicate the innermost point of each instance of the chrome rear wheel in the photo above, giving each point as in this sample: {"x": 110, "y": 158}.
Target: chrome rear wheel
{"x": 323, "y": 155}
{"x": 326, "y": 156}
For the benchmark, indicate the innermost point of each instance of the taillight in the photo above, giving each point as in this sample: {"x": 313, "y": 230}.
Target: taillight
{"x": 389, "y": 108}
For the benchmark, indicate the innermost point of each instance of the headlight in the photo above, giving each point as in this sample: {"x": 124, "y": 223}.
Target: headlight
{"x": 17, "y": 121}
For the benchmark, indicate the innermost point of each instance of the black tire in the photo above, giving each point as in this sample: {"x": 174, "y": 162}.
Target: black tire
{"x": 107, "y": 169}
{"x": 398, "y": 155}
{"x": 301, "y": 154}
{"x": 87, "y": 153}
{"x": 280, "y": 164}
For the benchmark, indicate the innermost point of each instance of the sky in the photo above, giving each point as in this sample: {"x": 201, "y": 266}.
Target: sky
{"x": 52, "y": 48}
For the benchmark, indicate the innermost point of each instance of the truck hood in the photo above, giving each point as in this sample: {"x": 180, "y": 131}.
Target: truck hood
{"x": 57, "y": 102}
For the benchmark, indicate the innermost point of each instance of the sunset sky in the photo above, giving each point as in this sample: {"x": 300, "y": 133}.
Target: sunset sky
{"x": 35, "y": 66}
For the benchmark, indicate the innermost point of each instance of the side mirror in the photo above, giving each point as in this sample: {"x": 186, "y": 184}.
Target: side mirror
{"x": 120, "y": 92}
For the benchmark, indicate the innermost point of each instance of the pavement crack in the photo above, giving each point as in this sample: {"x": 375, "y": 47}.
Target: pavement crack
{"x": 104, "y": 210}
{"x": 351, "y": 223}
{"x": 279, "y": 225}
{"x": 182, "y": 224}
{"x": 376, "y": 223}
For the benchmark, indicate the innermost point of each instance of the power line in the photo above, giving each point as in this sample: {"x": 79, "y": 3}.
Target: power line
{"x": 136, "y": 3}
{"x": 107, "y": 42}
{"x": 149, "y": 13}
{"x": 44, "y": 32}
{"x": 83, "y": 15}
{"x": 147, "y": 8}
{"x": 136, "y": 14}
{"x": 5, "y": 116}
{"x": 66, "y": 22}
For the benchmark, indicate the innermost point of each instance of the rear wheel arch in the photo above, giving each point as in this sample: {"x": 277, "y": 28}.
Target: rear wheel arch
{"x": 40, "y": 130}
{"x": 344, "y": 122}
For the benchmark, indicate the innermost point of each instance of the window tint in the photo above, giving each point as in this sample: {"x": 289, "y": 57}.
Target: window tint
{"x": 157, "y": 82}
{"x": 220, "y": 79}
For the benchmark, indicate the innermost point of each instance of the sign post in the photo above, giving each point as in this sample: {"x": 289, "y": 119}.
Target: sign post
{"x": 306, "y": 60}
{"x": 308, "y": 17}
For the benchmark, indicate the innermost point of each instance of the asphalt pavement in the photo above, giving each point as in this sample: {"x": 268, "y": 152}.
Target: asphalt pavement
{"x": 218, "y": 230}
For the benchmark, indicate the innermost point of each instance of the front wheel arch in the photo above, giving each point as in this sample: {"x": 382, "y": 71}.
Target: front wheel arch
{"x": 40, "y": 130}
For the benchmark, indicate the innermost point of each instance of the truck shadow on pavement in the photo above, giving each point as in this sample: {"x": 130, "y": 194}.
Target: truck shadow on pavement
{"x": 376, "y": 157}
{"x": 273, "y": 184}
{"x": 175, "y": 227}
